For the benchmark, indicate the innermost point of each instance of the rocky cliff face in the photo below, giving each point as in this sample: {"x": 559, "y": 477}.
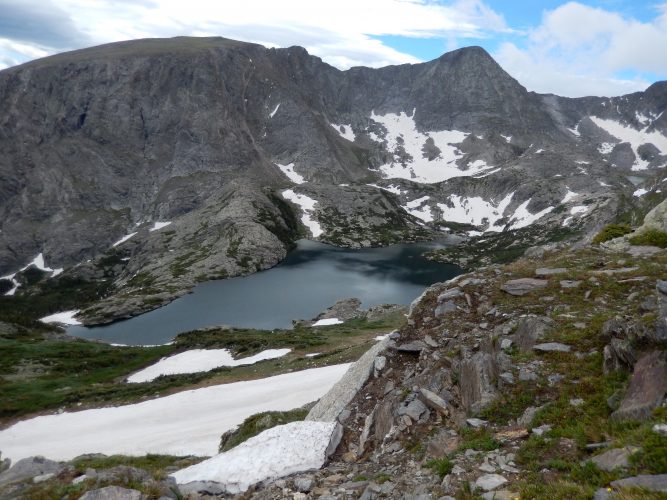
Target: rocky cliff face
{"x": 100, "y": 143}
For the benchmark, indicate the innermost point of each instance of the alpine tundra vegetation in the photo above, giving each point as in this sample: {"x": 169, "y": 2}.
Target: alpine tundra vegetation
{"x": 135, "y": 172}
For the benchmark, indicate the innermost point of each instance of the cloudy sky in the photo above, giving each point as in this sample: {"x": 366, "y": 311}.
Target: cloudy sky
{"x": 591, "y": 47}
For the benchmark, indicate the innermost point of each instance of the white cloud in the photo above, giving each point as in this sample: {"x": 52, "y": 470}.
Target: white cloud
{"x": 340, "y": 32}
{"x": 578, "y": 50}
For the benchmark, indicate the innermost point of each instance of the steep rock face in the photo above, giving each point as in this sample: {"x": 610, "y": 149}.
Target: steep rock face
{"x": 95, "y": 141}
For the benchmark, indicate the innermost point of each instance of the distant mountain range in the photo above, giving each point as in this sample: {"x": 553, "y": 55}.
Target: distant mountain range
{"x": 243, "y": 149}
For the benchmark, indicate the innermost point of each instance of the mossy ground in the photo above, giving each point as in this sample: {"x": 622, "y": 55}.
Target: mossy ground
{"x": 555, "y": 465}
{"x": 39, "y": 374}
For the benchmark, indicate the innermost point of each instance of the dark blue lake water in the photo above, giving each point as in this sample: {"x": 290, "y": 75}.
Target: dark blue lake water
{"x": 310, "y": 279}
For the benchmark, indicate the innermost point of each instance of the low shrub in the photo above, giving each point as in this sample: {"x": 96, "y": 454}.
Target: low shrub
{"x": 652, "y": 237}
{"x": 612, "y": 231}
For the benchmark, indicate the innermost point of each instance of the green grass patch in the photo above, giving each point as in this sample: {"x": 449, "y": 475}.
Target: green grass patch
{"x": 441, "y": 466}
{"x": 611, "y": 231}
{"x": 478, "y": 439}
{"x": 257, "y": 423}
{"x": 652, "y": 237}
{"x": 40, "y": 374}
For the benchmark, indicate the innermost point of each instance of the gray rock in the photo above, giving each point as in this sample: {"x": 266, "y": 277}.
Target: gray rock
{"x": 523, "y": 286}
{"x": 601, "y": 494}
{"x": 339, "y": 396}
{"x": 526, "y": 419}
{"x": 445, "y": 308}
{"x": 303, "y": 484}
{"x": 507, "y": 377}
{"x": 552, "y": 347}
{"x": 476, "y": 423}
{"x": 569, "y": 283}
{"x": 435, "y": 402}
{"x": 30, "y": 467}
{"x": 380, "y": 363}
{"x": 542, "y": 272}
{"x": 505, "y": 344}
{"x": 43, "y": 477}
{"x": 531, "y": 329}
{"x": 646, "y": 389}
{"x": 526, "y": 375}
{"x": 477, "y": 381}
{"x": 414, "y": 347}
{"x": 198, "y": 488}
{"x": 614, "y": 458}
{"x": 112, "y": 493}
{"x": 123, "y": 473}
{"x": 649, "y": 482}
{"x": 452, "y": 293}
{"x": 489, "y": 482}
{"x": 541, "y": 430}
{"x": 414, "y": 409}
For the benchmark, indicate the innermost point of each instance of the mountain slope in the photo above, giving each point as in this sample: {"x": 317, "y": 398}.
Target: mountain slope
{"x": 103, "y": 142}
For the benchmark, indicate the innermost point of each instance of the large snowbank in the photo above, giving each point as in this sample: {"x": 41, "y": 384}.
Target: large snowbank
{"x": 185, "y": 423}
{"x": 274, "y": 453}
{"x": 200, "y": 360}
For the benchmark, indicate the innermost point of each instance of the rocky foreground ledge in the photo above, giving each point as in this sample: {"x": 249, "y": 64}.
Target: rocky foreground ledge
{"x": 534, "y": 380}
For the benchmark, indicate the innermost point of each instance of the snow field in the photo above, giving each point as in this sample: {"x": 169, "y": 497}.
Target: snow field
{"x": 633, "y": 136}
{"x": 307, "y": 205}
{"x": 402, "y": 134}
{"x": 288, "y": 170}
{"x": 63, "y": 318}
{"x": 185, "y": 423}
{"x": 200, "y": 360}
{"x": 274, "y": 453}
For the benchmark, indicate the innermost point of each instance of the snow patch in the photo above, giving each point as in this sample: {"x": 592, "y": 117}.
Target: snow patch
{"x": 274, "y": 453}
{"x": 345, "y": 131}
{"x": 275, "y": 110}
{"x": 486, "y": 174}
{"x": 508, "y": 138}
{"x": 200, "y": 360}
{"x": 288, "y": 170}
{"x": 575, "y": 130}
{"x": 307, "y": 205}
{"x": 580, "y": 209}
{"x": 569, "y": 196}
{"x": 606, "y": 147}
{"x": 640, "y": 192}
{"x": 39, "y": 263}
{"x": 523, "y": 218}
{"x": 159, "y": 225}
{"x": 633, "y": 136}
{"x": 327, "y": 322}
{"x": 391, "y": 188}
{"x": 62, "y": 318}
{"x": 123, "y": 239}
{"x": 417, "y": 208}
{"x": 185, "y": 423}
{"x": 604, "y": 184}
{"x": 475, "y": 210}
{"x": 539, "y": 151}
{"x": 403, "y": 137}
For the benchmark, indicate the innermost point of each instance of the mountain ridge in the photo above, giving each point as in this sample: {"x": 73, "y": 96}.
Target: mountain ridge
{"x": 102, "y": 142}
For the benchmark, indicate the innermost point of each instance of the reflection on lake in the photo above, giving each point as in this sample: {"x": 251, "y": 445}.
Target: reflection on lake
{"x": 310, "y": 279}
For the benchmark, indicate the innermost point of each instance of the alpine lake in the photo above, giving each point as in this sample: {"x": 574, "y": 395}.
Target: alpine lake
{"x": 311, "y": 278}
